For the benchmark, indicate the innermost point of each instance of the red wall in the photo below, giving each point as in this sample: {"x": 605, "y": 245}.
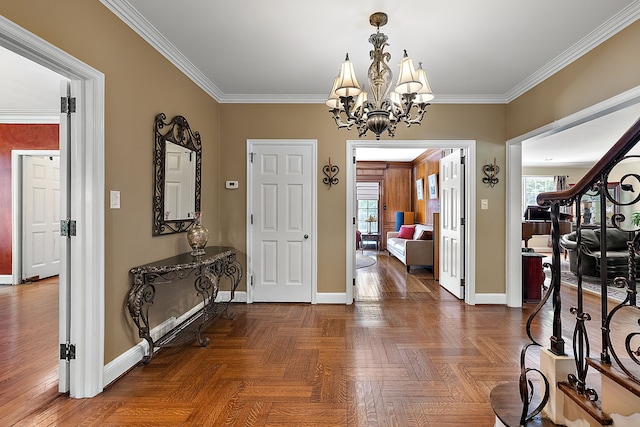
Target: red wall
{"x": 17, "y": 137}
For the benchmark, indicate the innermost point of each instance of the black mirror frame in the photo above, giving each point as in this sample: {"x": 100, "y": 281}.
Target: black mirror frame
{"x": 178, "y": 132}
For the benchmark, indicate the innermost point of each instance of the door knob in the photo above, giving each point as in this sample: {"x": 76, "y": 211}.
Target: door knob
{"x": 306, "y": 236}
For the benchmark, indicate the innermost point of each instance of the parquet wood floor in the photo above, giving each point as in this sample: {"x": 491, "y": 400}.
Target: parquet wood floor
{"x": 407, "y": 353}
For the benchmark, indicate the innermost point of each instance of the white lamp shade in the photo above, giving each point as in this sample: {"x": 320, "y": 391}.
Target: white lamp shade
{"x": 360, "y": 100}
{"x": 348, "y": 84}
{"x": 408, "y": 79}
{"x": 424, "y": 95}
{"x": 334, "y": 101}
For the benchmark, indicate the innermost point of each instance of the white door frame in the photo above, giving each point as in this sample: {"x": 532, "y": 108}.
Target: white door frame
{"x": 314, "y": 211}
{"x": 16, "y": 208}
{"x": 514, "y": 182}
{"x": 470, "y": 205}
{"x": 87, "y": 191}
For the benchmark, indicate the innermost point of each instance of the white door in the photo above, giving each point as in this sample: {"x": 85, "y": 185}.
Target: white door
{"x": 41, "y": 217}
{"x": 452, "y": 223}
{"x": 281, "y": 201}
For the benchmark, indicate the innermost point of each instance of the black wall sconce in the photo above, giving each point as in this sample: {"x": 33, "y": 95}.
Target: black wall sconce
{"x": 491, "y": 171}
{"x": 330, "y": 171}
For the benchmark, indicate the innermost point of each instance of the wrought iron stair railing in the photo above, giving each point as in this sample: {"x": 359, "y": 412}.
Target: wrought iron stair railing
{"x": 615, "y": 209}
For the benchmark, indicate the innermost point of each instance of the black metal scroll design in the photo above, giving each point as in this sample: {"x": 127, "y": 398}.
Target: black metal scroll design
{"x": 141, "y": 298}
{"x": 138, "y": 303}
{"x": 490, "y": 172}
{"x": 330, "y": 171}
{"x": 176, "y": 131}
{"x": 526, "y": 386}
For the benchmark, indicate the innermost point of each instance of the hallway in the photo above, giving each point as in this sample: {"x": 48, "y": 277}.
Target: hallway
{"x": 407, "y": 353}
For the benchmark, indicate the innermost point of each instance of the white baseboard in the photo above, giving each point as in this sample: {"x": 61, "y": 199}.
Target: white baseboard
{"x": 130, "y": 358}
{"x": 331, "y": 298}
{"x": 491, "y": 299}
{"x": 6, "y": 279}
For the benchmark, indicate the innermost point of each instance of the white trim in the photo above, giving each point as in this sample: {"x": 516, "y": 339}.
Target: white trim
{"x": 41, "y": 117}
{"x": 138, "y": 23}
{"x": 514, "y": 181}
{"x": 6, "y": 279}
{"x": 131, "y": 17}
{"x": 499, "y": 299}
{"x": 16, "y": 208}
{"x": 332, "y": 298}
{"x": 87, "y": 275}
{"x": 470, "y": 205}
{"x": 314, "y": 210}
{"x": 617, "y": 23}
{"x": 130, "y": 358}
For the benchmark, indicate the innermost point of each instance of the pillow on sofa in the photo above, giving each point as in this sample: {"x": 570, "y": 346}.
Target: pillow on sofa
{"x": 406, "y": 231}
{"x": 426, "y": 235}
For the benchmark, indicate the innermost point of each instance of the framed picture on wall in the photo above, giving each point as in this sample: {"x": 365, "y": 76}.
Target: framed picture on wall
{"x": 420, "y": 188}
{"x": 433, "y": 186}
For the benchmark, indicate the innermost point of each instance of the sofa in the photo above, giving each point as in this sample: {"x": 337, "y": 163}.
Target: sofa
{"x": 412, "y": 245}
{"x": 617, "y": 252}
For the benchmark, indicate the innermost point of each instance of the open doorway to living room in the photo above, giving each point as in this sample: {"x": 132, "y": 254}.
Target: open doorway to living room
{"x": 399, "y": 170}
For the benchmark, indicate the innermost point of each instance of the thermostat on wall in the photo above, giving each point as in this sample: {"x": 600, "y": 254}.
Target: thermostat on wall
{"x": 232, "y": 185}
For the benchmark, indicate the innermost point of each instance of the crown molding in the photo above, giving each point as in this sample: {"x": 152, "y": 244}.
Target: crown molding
{"x": 138, "y": 23}
{"x": 617, "y": 23}
{"x": 30, "y": 116}
{"x": 131, "y": 17}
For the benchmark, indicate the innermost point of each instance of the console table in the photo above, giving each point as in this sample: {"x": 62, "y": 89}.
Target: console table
{"x": 207, "y": 270}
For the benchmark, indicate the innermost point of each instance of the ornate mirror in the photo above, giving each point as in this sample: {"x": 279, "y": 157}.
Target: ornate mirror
{"x": 178, "y": 163}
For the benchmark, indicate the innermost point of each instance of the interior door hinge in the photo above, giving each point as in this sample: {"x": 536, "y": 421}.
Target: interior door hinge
{"x": 67, "y": 227}
{"x": 251, "y": 219}
{"x": 251, "y": 157}
{"x": 354, "y": 220}
{"x": 67, "y": 351}
{"x": 462, "y": 282}
{"x": 67, "y": 105}
{"x": 462, "y": 160}
{"x": 462, "y": 221}
{"x": 252, "y": 280}
{"x": 354, "y": 160}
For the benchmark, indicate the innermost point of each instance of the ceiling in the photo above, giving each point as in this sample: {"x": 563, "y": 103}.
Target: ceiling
{"x": 289, "y": 51}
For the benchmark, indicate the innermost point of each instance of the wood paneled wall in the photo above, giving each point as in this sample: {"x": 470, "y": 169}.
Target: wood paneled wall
{"x": 395, "y": 190}
{"x": 426, "y": 164}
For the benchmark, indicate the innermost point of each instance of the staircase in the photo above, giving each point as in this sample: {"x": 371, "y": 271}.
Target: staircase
{"x": 574, "y": 387}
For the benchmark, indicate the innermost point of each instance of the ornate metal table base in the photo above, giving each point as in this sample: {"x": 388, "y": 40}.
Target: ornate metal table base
{"x": 208, "y": 269}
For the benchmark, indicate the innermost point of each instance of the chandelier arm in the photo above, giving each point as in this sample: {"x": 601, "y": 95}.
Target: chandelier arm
{"x": 338, "y": 120}
{"x": 422, "y": 110}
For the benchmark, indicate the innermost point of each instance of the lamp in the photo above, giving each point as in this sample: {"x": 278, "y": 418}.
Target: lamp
{"x": 384, "y": 110}
{"x": 369, "y": 221}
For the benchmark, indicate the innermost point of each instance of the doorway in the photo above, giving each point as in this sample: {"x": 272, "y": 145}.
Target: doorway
{"x": 514, "y": 213}
{"x": 469, "y": 214}
{"x": 281, "y": 229}
{"x": 44, "y": 251}
{"x": 85, "y": 276}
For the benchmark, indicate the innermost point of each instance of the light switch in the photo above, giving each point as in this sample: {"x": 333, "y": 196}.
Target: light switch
{"x": 114, "y": 197}
{"x": 484, "y": 204}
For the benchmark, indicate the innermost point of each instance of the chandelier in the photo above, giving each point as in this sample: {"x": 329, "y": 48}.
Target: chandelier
{"x": 385, "y": 110}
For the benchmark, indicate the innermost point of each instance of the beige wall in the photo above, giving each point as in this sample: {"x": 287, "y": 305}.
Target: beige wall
{"x": 484, "y": 123}
{"x": 606, "y": 71}
{"x": 140, "y": 83}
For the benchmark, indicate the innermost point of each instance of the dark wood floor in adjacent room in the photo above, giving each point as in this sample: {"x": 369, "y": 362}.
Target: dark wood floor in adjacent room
{"x": 407, "y": 353}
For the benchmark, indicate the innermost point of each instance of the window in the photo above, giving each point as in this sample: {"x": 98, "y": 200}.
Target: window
{"x": 532, "y": 186}
{"x": 368, "y": 216}
{"x": 368, "y": 195}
